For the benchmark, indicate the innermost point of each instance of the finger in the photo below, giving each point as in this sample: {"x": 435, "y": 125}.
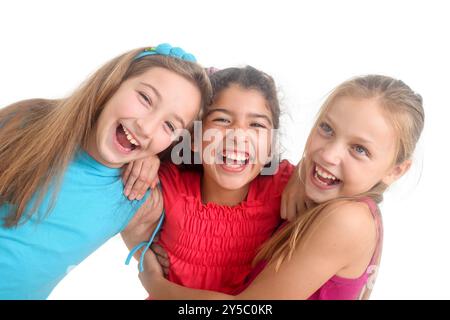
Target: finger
{"x": 155, "y": 182}
{"x": 126, "y": 172}
{"x": 139, "y": 188}
{"x": 291, "y": 209}
{"x": 149, "y": 171}
{"x": 157, "y": 198}
{"x": 134, "y": 175}
{"x": 153, "y": 174}
{"x": 160, "y": 251}
{"x": 164, "y": 263}
{"x": 298, "y": 211}
{"x": 161, "y": 256}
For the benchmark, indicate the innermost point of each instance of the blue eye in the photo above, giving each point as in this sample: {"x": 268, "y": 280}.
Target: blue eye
{"x": 361, "y": 150}
{"x": 326, "y": 128}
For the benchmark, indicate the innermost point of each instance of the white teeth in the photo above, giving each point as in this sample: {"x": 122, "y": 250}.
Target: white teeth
{"x": 324, "y": 174}
{"x": 235, "y": 156}
{"x": 130, "y": 137}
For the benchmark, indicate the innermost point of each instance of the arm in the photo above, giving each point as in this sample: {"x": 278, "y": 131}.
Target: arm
{"x": 293, "y": 197}
{"x": 144, "y": 221}
{"x": 338, "y": 238}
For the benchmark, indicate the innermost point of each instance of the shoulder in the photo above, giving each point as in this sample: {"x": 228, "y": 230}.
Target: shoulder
{"x": 177, "y": 180}
{"x": 346, "y": 227}
{"x": 351, "y": 217}
{"x": 349, "y": 214}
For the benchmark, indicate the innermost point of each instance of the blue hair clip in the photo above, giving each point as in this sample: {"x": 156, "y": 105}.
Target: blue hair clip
{"x": 166, "y": 49}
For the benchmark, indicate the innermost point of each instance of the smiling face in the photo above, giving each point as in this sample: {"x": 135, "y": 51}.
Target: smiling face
{"x": 351, "y": 150}
{"x": 140, "y": 118}
{"x": 242, "y": 122}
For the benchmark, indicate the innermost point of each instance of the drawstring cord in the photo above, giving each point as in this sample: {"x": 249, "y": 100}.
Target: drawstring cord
{"x": 146, "y": 244}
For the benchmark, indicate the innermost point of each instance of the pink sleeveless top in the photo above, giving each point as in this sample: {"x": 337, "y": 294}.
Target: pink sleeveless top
{"x": 339, "y": 288}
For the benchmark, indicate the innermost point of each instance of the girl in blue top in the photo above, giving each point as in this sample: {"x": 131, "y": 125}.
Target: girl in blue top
{"x": 60, "y": 187}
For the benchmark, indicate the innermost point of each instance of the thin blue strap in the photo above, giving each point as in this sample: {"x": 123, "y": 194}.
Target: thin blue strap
{"x": 146, "y": 244}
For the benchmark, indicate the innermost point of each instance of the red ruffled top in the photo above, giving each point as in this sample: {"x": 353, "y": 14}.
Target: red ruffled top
{"x": 212, "y": 246}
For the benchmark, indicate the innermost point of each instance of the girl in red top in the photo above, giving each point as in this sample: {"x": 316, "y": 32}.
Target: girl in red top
{"x": 219, "y": 213}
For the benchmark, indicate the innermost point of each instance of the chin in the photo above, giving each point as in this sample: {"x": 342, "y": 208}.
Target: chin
{"x": 232, "y": 185}
{"x": 319, "y": 197}
{"x": 238, "y": 181}
{"x": 111, "y": 159}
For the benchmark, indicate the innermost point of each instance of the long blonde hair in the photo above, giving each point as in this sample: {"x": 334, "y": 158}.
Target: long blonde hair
{"x": 403, "y": 107}
{"x": 40, "y": 137}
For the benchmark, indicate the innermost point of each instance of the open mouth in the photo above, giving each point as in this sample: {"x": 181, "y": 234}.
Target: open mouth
{"x": 324, "y": 177}
{"x": 233, "y": 161}
{"x": 125, "y": 139}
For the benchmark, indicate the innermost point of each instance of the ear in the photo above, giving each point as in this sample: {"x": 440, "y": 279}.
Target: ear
{"x": 396, "y": 172}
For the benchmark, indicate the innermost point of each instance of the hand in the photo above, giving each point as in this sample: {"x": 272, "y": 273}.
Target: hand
{"x": 139, "y": 175}
{"x": 149, "y": 212}
{"x": 293, "y": 197}
{"x": 152, "y": 271}
{"x": 144, "y": 221}
{"x": 162, "y": 256}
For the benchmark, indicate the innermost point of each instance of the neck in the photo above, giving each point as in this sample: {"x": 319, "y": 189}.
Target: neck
{"x": 212, "y": 192}
{"x": 310, "y": 204}
{"x": 92, "y": 150}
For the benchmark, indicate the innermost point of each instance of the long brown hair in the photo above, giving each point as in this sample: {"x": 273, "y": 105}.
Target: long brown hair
{"x": 405, "y": 111}
{"x": 40, "y": 137}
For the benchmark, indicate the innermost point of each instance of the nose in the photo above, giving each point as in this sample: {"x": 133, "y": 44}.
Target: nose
{"x": 238, "y": 135}
{"x": 332, "y": 153}
{"x": 147, "y": 126}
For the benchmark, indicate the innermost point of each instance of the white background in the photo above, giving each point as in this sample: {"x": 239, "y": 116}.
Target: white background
{"x": 49, "y": 47}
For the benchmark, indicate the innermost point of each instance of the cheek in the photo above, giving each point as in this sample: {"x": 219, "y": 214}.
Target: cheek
{"x": 127, "y": 106}
{"x": 131, "y": 109}
{"x": 263, "y": 145}
{"x": 361, "y": 178}
{"x": 315, "y": 142}
{"x": 212, "y": 139}
{"x": 161, "y": 140}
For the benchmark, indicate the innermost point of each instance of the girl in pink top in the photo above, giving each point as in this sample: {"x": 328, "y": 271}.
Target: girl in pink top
{"x": 362, "y": 142}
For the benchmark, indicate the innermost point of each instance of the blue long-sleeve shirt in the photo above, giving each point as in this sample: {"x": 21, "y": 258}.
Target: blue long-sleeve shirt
{"x": 90, "y": 208}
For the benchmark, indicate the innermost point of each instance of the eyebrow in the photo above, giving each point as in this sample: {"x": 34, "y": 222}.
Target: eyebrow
{"x": 259, "y": 115}
{"x": 217, "y": 110}
{"x": 361, "y": 139}
{"x": 252, "y": 115}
